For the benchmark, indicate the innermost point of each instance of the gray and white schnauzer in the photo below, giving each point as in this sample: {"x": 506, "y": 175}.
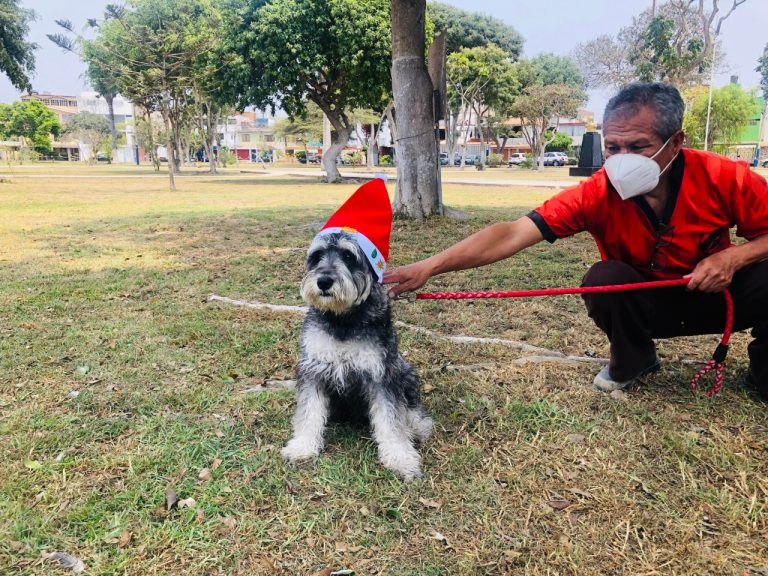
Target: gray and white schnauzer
{"x": 350, "y": 368}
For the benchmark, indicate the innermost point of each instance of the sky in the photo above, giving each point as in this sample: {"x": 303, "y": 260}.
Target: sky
{"x": 547, "y": 26}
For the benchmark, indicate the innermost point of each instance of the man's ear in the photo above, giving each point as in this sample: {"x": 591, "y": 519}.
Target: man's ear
{"x": 678, "y": 140}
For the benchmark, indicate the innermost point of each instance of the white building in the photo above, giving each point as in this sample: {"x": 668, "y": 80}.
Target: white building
{"x": 124, "y": 122}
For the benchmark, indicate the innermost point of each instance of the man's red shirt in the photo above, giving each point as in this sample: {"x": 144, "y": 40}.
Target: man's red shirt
{"x": 710, "y": 194}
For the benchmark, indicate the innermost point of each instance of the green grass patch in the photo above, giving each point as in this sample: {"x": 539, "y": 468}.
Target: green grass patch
{"x": 121, "y": 381}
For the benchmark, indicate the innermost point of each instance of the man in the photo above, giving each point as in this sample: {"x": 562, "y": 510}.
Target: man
{"x": 656, "y": 211}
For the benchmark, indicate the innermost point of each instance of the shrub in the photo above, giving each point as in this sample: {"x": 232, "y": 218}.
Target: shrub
{"x": 495, "y": 160}
{"x": 226, "y": 157}
{"x": 385, "y": 160}
{"x": 527, "y": 163}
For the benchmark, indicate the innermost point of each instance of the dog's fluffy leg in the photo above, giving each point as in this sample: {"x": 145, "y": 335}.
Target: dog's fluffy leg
{"x": 391, "y": 432}
{"x": 420, "y": 423}
{"x": 308, "y": 423}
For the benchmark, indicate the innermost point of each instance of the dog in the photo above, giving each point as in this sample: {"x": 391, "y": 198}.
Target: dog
{"x": 349, "y": 367}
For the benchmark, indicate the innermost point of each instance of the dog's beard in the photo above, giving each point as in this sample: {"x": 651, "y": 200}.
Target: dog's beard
{"x": 349, "y": 289}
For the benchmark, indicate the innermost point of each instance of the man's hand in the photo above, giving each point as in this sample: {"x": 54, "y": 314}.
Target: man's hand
{"x": 714, "y": 273}
{"x": 407, "y": 278}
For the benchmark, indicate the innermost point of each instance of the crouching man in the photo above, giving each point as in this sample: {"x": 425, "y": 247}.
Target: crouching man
{"x": 656, "y": 211}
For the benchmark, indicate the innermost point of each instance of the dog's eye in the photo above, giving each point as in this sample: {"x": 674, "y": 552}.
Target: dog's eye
{"x": 348, "y": 257}
{"x": 313, "y": 259}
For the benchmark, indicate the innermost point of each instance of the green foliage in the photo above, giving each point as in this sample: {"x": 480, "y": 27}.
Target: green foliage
{"x": 226, "y": 157}
{"x": 473, "y": 30}
{"x": 31, "y": 121}
{"x": 550, "y": 69}
{"x": 483, "y": 76}
{"x": 527, "y": 162}
{"x": 93, "y": 129}
{"x": 305, "y": 128}
{"x": 732, "y": 108}
{"x": 151, "y": 50}
{"x": 676, "y": 44}
{"x": 385, "y": 160}
{"x": 17, "y": 56}
{"x": 660, "y": 52}
{"x": 553, "y": 87}
{"x": 495, "y": 160}
{"x": 560, "y": 143}
{"x": 762, "y": 68}
{"x": 335, "y": 53}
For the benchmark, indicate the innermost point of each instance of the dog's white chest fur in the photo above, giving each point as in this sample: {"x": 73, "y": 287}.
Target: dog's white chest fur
{"x": 337, "y": 358}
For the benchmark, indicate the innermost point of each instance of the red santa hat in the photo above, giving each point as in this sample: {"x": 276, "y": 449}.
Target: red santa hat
{"x": 367, "y": 217}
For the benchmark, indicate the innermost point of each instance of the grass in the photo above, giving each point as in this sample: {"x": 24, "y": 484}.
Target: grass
{"x": 119, "y": 380}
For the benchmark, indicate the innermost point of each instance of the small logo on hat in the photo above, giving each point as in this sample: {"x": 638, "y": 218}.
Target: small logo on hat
{"x": 348, "y": 229}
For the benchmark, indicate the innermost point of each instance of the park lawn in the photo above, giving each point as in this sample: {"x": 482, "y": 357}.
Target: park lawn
{"x": 120, "y": 380}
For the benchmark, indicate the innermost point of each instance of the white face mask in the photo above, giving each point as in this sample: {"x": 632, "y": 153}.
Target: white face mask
{"x": 635, "y": 174}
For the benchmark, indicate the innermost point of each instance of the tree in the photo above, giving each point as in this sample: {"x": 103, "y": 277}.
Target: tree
{"x": 304, "y": 128}
{"x": 604, "y": 62}
{"x": 333, "y": 53}
{"x": 473, "y": 30}
{"x": 416, "y": 194}
{"x": 484, "y": 82}
{"x": 152, "y": 49}
{"x": 32, "y": 122}
{"x": 17, "y": 56}
{"x": 90, "y": 128}
{"x": 732, "y": 108}
{"x": 99, "y": 72}
{"x": 762, "y": 68}
{"x": 675, "y": 44}
{"x": 559, "y": 143}
{"x": 552, "y": 88}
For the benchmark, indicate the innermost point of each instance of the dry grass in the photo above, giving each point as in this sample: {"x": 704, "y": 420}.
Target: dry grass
{"x": 102, "y": 292}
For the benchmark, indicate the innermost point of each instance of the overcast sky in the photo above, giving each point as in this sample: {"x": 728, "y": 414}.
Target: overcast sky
{"x": 547, "y": 26}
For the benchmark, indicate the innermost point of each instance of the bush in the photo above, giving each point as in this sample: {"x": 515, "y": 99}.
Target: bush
{"x": 527, "y": 163}
{"x": 226, "y": 157}
{"x": 572, "y": 161}
{"x": 385, "y": 160}
{"x": 495, "y": 160}
{"x": 301, "y": 156}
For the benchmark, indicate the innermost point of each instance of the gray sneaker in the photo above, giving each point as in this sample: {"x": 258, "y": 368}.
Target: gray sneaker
{"x": 604, "y": 383}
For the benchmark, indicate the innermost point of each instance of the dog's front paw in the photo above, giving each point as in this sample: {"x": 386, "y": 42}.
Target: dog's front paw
{"x": 298, "y": 450}
{"x": 405, "y": 464}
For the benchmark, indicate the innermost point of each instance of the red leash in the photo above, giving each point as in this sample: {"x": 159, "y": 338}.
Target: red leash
{"x": 718, "y": 358}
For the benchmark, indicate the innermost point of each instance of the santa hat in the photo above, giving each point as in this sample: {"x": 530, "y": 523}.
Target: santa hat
{"x": 367, "y": 217}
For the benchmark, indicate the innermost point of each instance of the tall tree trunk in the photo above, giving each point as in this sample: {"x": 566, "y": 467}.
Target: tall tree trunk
{"x": 339, "y": 137}
{"x": 416, "y": 195}
{"x": 169, "y": 148}
{"x": 110, "y": 100}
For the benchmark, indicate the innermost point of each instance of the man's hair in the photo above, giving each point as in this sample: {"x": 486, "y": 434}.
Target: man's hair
{"x": 663, "y": 98}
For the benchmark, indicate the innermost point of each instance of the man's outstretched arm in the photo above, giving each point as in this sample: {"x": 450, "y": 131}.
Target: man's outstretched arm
{"x": 489, "y": 245}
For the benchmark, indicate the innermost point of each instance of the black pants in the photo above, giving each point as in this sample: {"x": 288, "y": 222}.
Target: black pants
{"x": 632, "y": 319}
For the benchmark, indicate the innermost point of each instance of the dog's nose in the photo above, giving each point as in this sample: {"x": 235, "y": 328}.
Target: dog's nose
{"x": 324, "y": 282}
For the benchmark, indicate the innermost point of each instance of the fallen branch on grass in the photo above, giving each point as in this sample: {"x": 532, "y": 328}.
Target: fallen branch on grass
{"x": 539, "y": 355}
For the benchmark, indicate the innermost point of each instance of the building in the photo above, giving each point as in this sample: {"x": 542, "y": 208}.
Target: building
{"x": 63, "y": 106}
{"x": 124, "y": 123}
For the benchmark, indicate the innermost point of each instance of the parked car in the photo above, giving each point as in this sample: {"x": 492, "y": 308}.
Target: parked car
{"x": 555, "y": 159}
{"x": 468, "y": 160}
{"x": 516, "y": 158}
{"x": 444, "y": 160}
{"x": 308, "y": 158}
{"x": 764, "y": 163}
